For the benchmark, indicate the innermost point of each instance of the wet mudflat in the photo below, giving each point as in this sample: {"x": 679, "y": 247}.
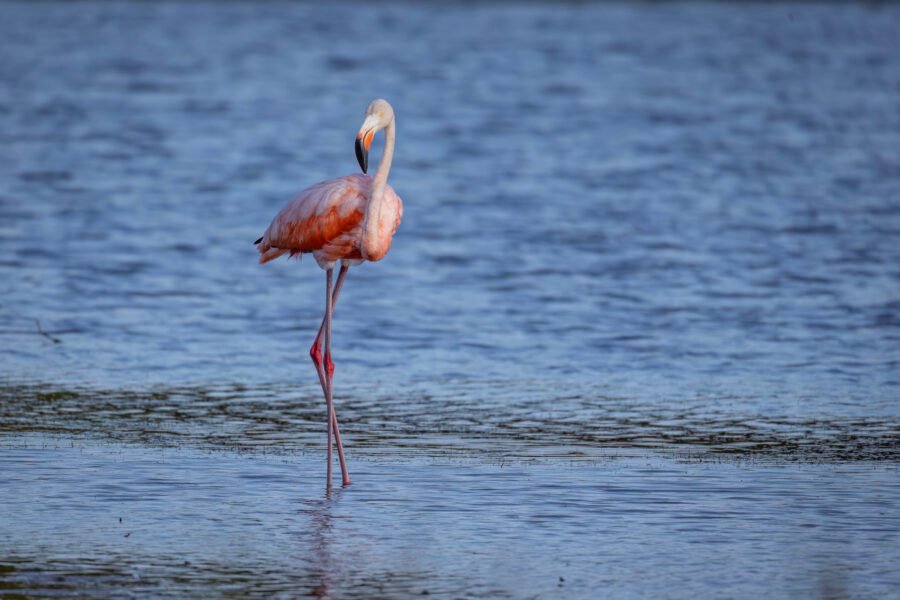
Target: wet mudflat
{"x": 221, "y": 490}
{"x": 638, "y": 334}
{"x": 99, "y": 518}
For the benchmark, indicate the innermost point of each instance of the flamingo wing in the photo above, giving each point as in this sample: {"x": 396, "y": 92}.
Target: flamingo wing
{"x": 324, "y": 219}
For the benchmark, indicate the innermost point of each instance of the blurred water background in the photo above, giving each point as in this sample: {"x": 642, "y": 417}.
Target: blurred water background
{"x": 644, "y": 303}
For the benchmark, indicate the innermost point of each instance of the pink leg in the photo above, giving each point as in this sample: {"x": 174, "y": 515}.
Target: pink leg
{"x": 325, "y": 381}
{"x": 328, "y": 399}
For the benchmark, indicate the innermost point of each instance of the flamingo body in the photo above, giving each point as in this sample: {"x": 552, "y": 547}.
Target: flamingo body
{"x": 327, "y": 220}
{"x": 349, "y": 219}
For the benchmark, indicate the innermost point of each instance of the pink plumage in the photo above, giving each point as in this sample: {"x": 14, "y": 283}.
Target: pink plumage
{"x": 326, "y": 220}
{"x": 350, "y": 219}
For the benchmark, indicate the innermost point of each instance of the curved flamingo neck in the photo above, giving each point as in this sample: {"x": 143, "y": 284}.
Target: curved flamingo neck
{"x": 373, "y": 247}
{"x": 384, "y": 167}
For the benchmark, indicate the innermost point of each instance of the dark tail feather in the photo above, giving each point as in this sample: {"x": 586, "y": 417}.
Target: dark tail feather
{"x": 258, "y": 241}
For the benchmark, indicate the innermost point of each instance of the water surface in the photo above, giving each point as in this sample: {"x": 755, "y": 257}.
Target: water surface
{"x": 117, "y": 519}
{"x": 638, "y": 333}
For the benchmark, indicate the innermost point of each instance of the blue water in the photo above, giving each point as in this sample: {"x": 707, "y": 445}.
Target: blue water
{"x": 194, "y": 523}
{"x": 634, "y": 234}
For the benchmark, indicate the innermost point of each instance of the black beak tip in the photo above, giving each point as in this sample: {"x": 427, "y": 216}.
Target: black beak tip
{"x": 362, "y": 155}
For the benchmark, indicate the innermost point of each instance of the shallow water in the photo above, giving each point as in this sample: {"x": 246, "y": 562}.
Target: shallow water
{"x": 647, "y": 274}
{"x": 117, "y": 519}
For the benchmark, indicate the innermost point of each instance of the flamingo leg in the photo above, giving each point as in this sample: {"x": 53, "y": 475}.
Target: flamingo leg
{"x": 328, "y": 399}
{"x": 315, "y": 352}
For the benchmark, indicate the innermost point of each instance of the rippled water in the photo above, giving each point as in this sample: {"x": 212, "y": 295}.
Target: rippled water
{"x": 116, "y": 518}
{"x": 648, "y": 275}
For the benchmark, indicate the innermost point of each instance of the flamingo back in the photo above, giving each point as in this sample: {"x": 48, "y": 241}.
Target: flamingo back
{"x": 326, "y": 219}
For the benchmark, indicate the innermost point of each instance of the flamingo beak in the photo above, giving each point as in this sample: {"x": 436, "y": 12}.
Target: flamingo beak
{"x": 363, "y": 143}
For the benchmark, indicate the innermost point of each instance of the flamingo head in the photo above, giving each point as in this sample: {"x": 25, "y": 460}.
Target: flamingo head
{"x": 378, "y": 116}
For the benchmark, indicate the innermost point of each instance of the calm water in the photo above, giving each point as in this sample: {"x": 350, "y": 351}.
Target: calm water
{"x": 115, "y": 518}
{"x": 639, "y": 330}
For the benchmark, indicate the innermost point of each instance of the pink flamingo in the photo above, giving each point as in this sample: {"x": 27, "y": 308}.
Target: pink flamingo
{"x": 349, "y": 219}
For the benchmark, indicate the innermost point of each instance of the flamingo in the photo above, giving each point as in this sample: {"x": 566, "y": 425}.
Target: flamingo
{"x": 351, "y": 219}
